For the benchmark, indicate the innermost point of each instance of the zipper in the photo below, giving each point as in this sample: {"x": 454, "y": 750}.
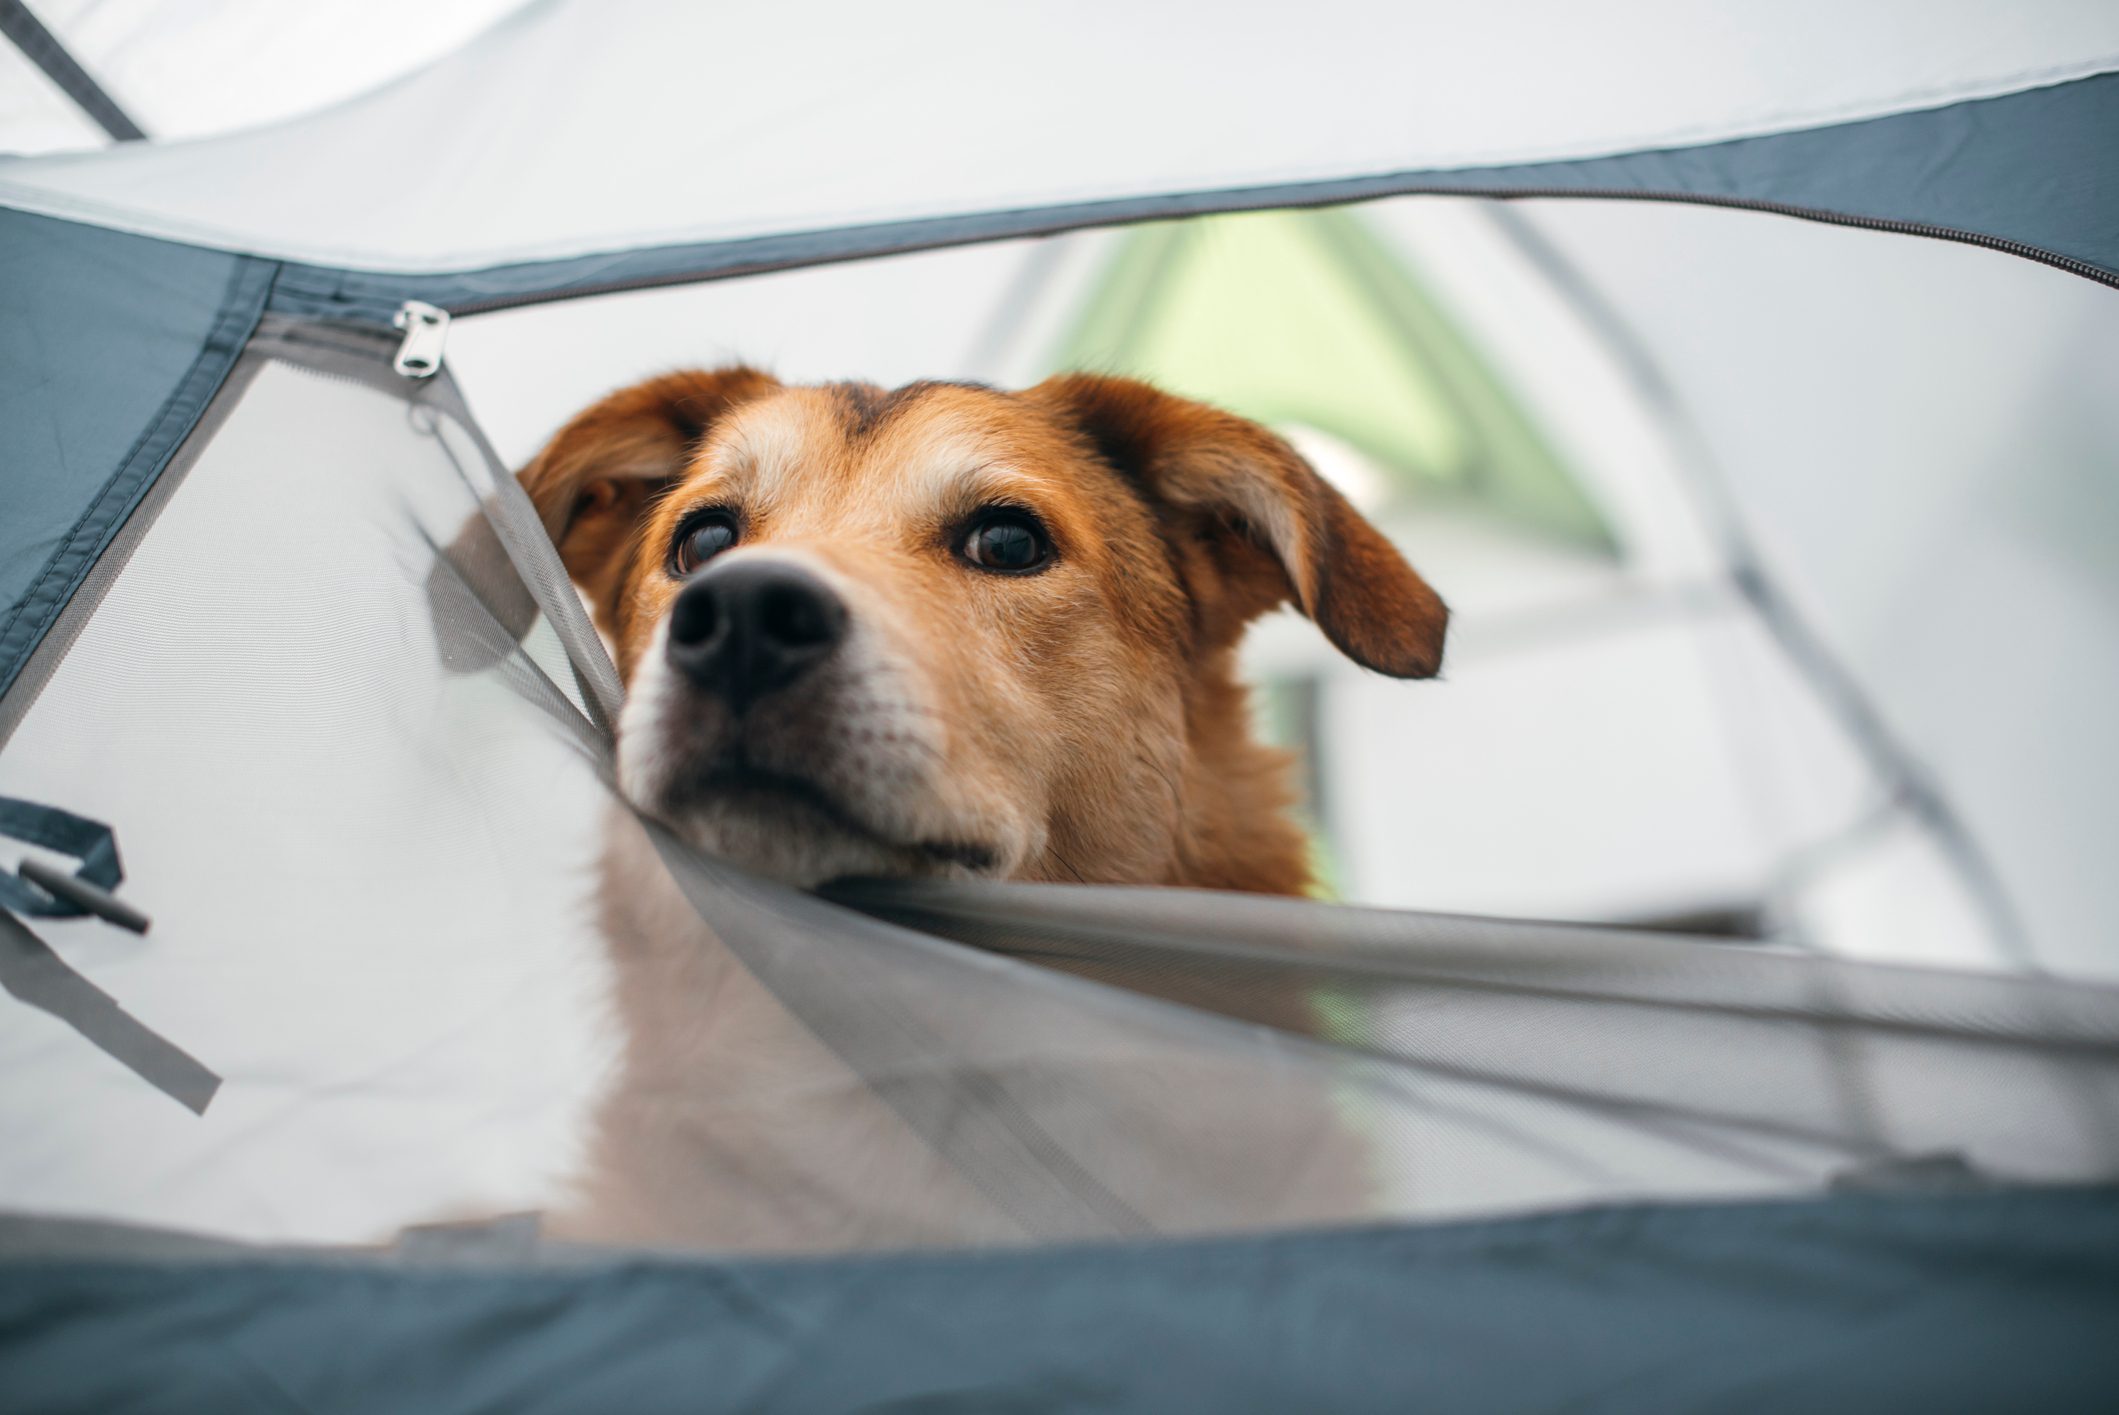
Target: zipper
{"x": 368, "y": 301}
{"x": 1030, "y": 227}
{"x": 340, "y": 350}
{"x": 426, "y": 331}
{"x": 343, "y": 352}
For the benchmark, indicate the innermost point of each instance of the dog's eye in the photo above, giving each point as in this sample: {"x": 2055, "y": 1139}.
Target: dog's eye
{"x": 1011, "y": 542}
{"x": 700, "y": 539}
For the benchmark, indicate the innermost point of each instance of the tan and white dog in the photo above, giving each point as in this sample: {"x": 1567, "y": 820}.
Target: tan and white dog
{"x": 951, "y": 630}
{"x": 943, "y": 631}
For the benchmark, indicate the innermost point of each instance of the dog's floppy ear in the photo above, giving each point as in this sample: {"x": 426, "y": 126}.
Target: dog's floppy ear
{"x": 1235, "y": 477}
{"x": 599, "y": 473}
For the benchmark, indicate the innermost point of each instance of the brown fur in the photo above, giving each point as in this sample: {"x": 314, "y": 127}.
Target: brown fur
{"x": 1081, "y": 724}
{"x": 1100, "y": 699}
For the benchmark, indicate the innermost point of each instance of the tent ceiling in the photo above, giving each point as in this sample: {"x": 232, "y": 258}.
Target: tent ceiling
{"x": 35, "y": 115}
{"x": 194, "y": 68}
{"x": 577, "y": 128}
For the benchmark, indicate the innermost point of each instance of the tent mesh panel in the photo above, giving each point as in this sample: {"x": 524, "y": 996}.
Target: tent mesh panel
{"x": 345, "y": 716}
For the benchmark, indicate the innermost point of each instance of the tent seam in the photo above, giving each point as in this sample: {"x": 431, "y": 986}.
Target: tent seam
{"x": 1943, "y": 1215}
{"x": 370, "y": 296}
{"x": 242, "y": 305}
{"x": 457, "y": 265}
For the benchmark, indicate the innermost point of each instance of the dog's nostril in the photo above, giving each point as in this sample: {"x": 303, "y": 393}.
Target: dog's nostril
{"x": 694, "y": 618}
{"x": 745, "y": 628}
{"x": 796, "y": 617}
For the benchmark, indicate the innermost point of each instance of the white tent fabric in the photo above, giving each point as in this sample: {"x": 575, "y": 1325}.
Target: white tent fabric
{"x": 581, "y": 127}
{"x": 186, "y": 69}
{"x": 35, "y": 115}
{"x": 1917, "y": 439}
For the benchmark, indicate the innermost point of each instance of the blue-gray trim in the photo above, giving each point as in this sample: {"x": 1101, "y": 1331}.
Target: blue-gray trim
{"x": 2028, "y": 173}
{"x": 1857, "y": 1303}
{"x": 111, "y": 346}
{"x": 90, "y": 842}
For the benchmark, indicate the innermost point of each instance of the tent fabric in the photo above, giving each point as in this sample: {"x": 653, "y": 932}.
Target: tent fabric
{"x": 35, "y": 113}
{"x": 346, "y": 644}
{"x": 1855, "y": 1303}
{"x": 1977, "y": 171}
{"x": 41, "y": 48}
{"x": 323, "y": 490}
{"x": 324, "y": 676}
{"x": 110, "y": 347}
{"x": 88, "y": 842}
{"x": 1908, "y": 442}
{"x": 926, "y": 115}
{"x": 188, "y": 69}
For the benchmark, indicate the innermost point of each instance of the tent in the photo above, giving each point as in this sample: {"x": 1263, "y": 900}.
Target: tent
{"x": 1727, "y": 1012}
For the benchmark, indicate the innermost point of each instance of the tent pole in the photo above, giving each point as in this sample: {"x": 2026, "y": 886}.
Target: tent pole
{"x": 42, "y": 48}
{"x": 1834, "y": 685}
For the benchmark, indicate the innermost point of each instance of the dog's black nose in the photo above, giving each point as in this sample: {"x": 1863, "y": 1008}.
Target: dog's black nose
{"x": 743, "y": 628}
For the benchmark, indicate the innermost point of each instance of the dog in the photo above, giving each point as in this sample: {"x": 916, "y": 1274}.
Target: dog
{"x": 943, "y": 631}
{"x": 949, "y": 630}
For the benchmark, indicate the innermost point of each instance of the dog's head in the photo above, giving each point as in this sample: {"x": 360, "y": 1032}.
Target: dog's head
{"x": 948, "y": 629}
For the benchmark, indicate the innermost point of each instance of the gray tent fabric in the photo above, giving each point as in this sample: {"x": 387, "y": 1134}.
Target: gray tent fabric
{"x": 110, "y": 347}
{"x": 1854, "y": 1303}
{"x": 1982, "y": 171}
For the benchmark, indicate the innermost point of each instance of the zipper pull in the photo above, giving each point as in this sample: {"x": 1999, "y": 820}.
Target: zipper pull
{"x": 426, "y": 330}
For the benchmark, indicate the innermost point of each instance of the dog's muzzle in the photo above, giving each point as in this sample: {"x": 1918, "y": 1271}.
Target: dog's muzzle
{"x": 745, "y": 629}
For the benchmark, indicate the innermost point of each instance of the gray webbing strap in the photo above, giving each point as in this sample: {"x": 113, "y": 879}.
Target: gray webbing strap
{"x": 34, "y": 974}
